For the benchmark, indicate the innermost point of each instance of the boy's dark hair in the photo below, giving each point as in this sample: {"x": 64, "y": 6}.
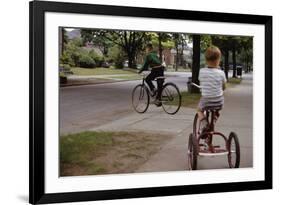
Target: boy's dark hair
{"x": 212, "y": 53}
{"x": 149, "y": 45}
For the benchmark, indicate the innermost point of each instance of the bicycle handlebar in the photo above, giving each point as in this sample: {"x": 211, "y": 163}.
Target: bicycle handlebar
{"x": 194, "y": 84}
{"x": 144, "y": 74}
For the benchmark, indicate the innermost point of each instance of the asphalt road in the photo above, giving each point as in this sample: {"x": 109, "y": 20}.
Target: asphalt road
{"x": 85, "y": 107}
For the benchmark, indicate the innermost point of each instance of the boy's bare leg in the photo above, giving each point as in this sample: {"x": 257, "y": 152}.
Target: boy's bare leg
{"x": 201, "y": 115}
{"x": 202, "y": 119}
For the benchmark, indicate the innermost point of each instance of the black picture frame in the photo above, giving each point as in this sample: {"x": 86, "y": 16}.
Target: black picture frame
{"x": 37, "y": 192}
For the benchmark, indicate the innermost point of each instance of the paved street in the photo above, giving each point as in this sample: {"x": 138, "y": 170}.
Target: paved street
{"x": 85, "y": 107}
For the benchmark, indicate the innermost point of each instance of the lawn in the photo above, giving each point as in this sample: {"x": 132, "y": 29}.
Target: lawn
{"x": 100, "y": 71}
{"x": 189, "y": 99}
{"x": 91, "y": 153}
{"x": 127, "y": 77}
{"x": 234, "y": 80}
{"x": 178, "y": 70}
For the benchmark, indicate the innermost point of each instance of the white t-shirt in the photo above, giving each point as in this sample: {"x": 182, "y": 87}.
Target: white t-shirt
{"x": 211, "y": 82}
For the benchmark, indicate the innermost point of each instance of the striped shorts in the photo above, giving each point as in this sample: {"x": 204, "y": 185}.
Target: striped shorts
{"x": 210, "y": 102}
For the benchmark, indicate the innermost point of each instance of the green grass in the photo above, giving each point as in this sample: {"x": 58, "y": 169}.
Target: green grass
{"x": 188, "y": 99}
{"x": 80, "y": 149}
{"x": 178, "y": 70}
{"x": 75, "y": 147}
{"x": 100, "y": 71}
{"x": 91, "y": 152}
{"x": 234, "y": 80}
{"x": 127, "y": 77}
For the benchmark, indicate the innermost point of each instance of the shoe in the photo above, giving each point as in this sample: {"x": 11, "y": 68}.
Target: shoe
{"x": 153, "y": 92}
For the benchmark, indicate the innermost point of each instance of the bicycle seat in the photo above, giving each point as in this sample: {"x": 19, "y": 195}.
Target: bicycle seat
{"x": 213, "y": 108}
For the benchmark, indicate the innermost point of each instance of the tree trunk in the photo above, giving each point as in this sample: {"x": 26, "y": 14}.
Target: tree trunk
{"x": 226, "y": 63}
{"x": 177, "y": 58}
{"x": 160, "y": 46}
{"x": 131, "y": 61}
{"x": 234, "y": 61}
{"x": 195, "y": 62}
{"x": 62, "y": 41}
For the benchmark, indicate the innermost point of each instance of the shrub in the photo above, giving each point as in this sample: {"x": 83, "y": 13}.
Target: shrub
{"x": 65, "y": 59}
{"x": 119, "y": 63}
{"x": 116, "y": 55}
{"x": 63, "y": 78}
{"x": 85, "y": 61}
{"x": 65, "y": 66}
{"x": 96, "y": 57}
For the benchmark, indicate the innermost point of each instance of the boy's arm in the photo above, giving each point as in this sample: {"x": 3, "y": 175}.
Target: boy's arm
{"x": 223, "y": 81}
{"x": 223, "y": 86}
{"x": 145, "y": 64}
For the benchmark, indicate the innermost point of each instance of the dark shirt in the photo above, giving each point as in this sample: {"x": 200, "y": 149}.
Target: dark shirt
{"x": 151, "y": 60}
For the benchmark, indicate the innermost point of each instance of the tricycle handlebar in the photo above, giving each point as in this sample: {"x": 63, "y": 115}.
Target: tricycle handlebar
{"x": 194, "y": 84}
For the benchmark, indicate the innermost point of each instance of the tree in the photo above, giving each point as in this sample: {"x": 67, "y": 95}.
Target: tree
{"x": 195, "y": 62}
{"x": 102, "y": 44}
{"x": 130, "y": 41}
{"x": 162, "y": 37}
{"x": 177, "y": 39}
{"x": 116, "y": 55}
{"x": 205, "y": 42}
{"x": 234, "y": 42}
{"x": 183, "y": 41}
{"x": 224, "y": 43}
{"x": 71, "y": 52}
{"x": 247, "y": 52}
{"x": 64, "y": 40}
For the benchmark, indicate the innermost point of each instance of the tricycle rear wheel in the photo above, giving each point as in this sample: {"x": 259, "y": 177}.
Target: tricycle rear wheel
{"x": 234, "y": 151}
{"x": 192, "y": 152}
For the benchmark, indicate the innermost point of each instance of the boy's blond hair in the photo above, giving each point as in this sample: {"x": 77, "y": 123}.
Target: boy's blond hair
{"x": 212, "y": 54}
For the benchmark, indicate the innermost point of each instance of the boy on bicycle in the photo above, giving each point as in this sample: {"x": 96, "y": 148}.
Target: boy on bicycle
{"x": 212, "y": 82}
{"x": 157, "y": 70}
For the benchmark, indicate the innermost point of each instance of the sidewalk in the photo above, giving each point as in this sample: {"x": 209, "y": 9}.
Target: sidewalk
{"x": 236, "y": 116}
{"x": 78, "y": 80}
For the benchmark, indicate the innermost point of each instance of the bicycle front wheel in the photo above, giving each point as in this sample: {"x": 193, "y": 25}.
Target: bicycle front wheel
{"x": 171, "y": 98}
{"x": 140, "y": 98}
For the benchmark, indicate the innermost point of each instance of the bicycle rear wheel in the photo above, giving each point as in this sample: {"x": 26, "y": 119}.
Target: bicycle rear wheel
{"x": 171, "y": 98}
{"x": 140, "y": 98}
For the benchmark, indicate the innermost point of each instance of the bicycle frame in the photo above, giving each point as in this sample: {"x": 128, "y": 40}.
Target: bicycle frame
{"x": 144, "y": 84}
{"x": 163, "y": 96}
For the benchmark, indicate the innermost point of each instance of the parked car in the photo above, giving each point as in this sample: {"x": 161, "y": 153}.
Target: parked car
{"x": 105, "y": 64}
{"x": 126, "y": 64}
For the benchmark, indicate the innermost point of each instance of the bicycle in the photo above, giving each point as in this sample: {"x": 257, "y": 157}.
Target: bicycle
{"x": 201, "y": 144}
{"x": 170, "y": 96}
